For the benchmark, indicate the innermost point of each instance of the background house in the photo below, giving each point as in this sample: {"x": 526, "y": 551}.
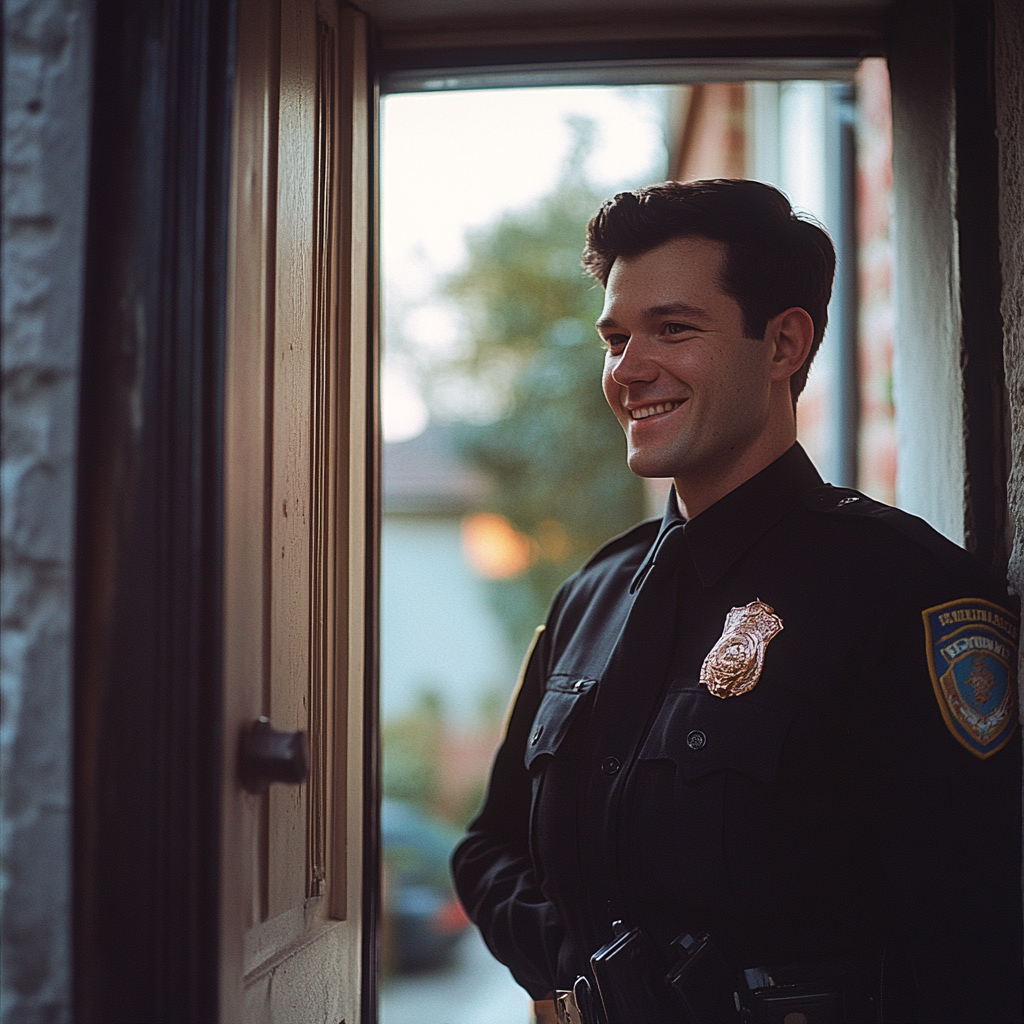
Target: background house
{"x": 446, "y": 664}
{"x": 790, "y": 135}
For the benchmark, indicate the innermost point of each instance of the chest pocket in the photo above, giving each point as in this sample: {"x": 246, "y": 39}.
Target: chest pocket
{"x": 702, "y": 734}
{"x": 563, "y": 700}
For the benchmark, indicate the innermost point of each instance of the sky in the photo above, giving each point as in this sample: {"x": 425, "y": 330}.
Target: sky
{"x": 458, "y": 160}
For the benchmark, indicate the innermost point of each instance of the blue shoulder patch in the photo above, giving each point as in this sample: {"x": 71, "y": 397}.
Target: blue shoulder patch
{"x": 972, "y": 658}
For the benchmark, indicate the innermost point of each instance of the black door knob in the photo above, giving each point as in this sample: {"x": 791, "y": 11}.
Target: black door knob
{"x": 268, "y": 755}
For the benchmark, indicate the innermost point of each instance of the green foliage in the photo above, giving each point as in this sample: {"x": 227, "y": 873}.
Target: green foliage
{"x": 411, "y": 746}
{"x": 415, "y": 745}
{"x": 557, "y": 455}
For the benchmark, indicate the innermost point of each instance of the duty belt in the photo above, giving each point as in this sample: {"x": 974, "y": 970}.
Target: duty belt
{"x": 701, "y": 988}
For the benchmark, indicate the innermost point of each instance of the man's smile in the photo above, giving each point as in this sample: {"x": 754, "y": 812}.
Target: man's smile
{"x": 643, "y": 412}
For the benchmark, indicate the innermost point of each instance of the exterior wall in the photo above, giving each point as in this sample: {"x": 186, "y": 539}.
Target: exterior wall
{"x": 1009, "y": 78}
{"x": 46, "y": 94}
{"x": 927, "y": 378}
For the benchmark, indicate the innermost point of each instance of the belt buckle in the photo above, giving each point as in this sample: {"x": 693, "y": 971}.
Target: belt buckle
{"x": 566, "y": 1009}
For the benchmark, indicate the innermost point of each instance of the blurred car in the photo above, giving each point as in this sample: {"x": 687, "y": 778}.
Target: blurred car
{"x": 423, "y": 919}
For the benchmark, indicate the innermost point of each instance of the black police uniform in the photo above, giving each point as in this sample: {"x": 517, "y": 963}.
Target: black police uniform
{"x": 864, "y": 793}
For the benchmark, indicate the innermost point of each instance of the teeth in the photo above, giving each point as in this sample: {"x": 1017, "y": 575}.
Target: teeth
{"x": 653, "y": 410}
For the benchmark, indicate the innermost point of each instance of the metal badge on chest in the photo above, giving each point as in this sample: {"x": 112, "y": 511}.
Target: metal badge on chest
{"x": 734, "y": 664}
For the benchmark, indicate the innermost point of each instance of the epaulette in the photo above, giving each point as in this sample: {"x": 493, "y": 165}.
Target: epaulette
{"x": 970, "y": 642}
{"x": 623, "y": 540}
{"x": 845, "y": 501}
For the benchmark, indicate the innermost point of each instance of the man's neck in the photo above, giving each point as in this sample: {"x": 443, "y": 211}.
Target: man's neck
{"x": 698, "y": 491}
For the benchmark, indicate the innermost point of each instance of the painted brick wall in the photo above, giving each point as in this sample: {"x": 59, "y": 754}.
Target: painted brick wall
{"x": 46, "y": 90}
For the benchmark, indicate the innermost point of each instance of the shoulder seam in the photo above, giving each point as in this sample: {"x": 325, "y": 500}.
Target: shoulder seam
{"x": 846, "y": 502}
{"x": 619, "y": 541}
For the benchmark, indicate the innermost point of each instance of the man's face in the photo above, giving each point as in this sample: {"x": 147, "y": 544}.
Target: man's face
{"x": 689, "y": 388}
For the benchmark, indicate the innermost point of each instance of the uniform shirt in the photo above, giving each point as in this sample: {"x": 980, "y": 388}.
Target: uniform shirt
{"x": 844, "y": 803}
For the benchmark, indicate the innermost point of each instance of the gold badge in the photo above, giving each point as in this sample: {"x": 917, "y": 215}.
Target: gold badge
{"x": 734, "y": 664}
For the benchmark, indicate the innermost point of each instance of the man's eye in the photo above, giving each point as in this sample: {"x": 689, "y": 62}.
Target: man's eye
{"x": 677, "y": 328}
{"x": 615, "y": 341}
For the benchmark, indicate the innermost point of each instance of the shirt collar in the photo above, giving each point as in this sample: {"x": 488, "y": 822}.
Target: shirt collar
{"x": 721, "y": 533}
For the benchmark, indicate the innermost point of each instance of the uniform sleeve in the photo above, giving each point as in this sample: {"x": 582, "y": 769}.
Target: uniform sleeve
{"x": 493, "y": 867}
{"x": 946, "y": 843}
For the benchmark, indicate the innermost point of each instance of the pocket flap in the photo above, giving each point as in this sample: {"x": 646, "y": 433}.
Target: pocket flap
{"x": 557, "y": 710}
{"x": 701, "y": 734}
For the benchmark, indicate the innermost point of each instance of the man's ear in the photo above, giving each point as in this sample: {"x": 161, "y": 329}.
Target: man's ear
{"x": 791, "y": 333}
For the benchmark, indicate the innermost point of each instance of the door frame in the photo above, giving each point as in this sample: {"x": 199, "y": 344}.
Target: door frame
{"x": 147, "y": 711}
{"x": 148, "y": 688}
{"x": 953, "y": 434}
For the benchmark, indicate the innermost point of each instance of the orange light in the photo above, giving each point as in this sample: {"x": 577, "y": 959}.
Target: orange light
{"x": 554, "y": 540}
{"x": 494, "y": 548}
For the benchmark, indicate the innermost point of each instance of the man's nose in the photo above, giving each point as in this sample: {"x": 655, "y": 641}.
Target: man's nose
{"x": 635, "y": 364}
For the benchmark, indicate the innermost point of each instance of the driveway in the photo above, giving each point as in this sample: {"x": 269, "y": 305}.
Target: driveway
{"x": 474, "y": 989}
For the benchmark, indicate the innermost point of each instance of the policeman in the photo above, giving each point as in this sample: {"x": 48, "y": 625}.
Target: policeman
{"x": 783, "y": 717}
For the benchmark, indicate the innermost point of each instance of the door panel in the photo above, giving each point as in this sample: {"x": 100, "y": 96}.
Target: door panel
{"x": 295, "y": 562}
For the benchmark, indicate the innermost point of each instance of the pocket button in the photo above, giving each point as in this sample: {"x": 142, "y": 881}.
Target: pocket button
{"x": 696, "y": 740}
{"x": 610, "y": 766}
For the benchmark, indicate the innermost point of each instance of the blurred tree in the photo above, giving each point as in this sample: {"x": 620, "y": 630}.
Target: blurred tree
{"x": 557, "y": 454}
{"x": 411, "y": 746}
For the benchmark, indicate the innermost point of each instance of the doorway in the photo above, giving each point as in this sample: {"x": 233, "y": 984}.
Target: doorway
{"x": 502, "y": 467}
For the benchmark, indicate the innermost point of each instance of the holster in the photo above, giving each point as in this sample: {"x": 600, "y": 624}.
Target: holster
{"x": 703, "y": 982}
{"x": 630, "y": 976}
{"x": 839, "y": 990}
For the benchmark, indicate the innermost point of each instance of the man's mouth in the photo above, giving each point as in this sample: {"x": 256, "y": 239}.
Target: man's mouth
{"x": 644, "y": 411}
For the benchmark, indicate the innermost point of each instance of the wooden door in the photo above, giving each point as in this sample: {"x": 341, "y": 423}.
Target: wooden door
{"x": 295, "y": 509}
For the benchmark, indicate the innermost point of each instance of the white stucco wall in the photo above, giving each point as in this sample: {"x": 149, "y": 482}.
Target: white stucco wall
{"x": 46, "y": 98}
{"x": 927, "y": 379}
{"x": 438, "y": 629}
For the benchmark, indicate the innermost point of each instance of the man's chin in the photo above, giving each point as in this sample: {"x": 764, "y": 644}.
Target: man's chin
{"x": 650, "y": 466}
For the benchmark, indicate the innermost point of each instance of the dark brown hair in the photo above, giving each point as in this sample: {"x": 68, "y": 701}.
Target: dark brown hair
{"x": 774, "y": 260}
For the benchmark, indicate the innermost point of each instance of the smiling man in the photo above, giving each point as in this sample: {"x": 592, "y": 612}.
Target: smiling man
{"x": 698, "y": 401}
{"x": 762, "y": 764}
